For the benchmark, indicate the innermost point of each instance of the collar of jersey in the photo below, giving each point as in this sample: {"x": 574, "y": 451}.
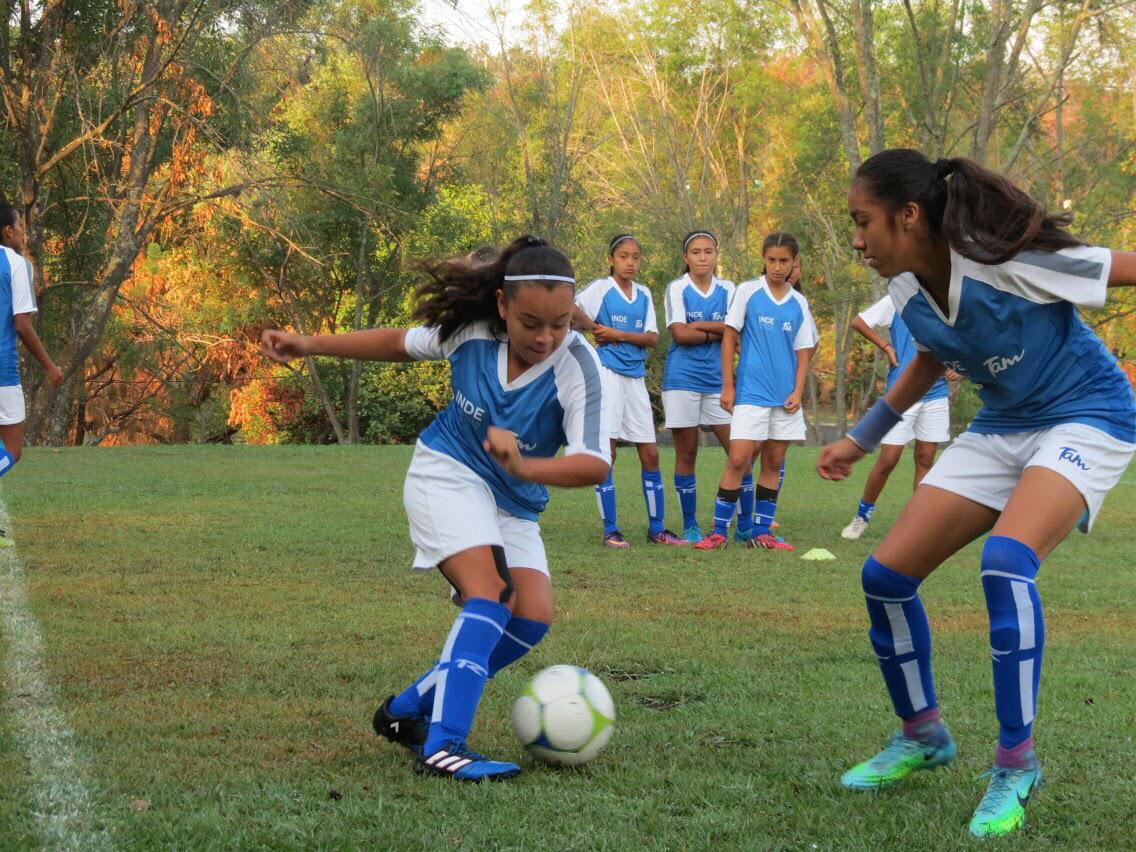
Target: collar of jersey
{"x": 697, "y": 289}
{"x": 954, "y": 291}
{"x": 762, "y": 284}
{"x": 532, "y": 373}
{"x": 619, "y": 290}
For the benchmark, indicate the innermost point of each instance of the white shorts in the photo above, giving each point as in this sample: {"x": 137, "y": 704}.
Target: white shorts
{"x": 987, "y": 468}
{"x": 11, "y": 405}
{"x": 451, "y": 509}
{"x": 925, "y": 421}
{"x": 766, "y": 423}
{"x": 628, "y": 408}
{"x": 690, "y": 408}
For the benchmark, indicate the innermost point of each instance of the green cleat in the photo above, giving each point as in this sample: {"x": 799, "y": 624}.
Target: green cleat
{"x": 1003, "y": 808}
{"x": 900, "y": 757}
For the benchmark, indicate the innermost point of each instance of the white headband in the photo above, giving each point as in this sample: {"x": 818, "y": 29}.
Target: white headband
{"x": 697, "y": 234}
{"x": 622, "y": 238}
{"x": 540, "y": 278}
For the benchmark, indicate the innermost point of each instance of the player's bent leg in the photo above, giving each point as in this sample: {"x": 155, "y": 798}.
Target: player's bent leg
{"x": 877, "y": 478}
{"x": 532, "y": 616}
{"x": 924, "y": 459}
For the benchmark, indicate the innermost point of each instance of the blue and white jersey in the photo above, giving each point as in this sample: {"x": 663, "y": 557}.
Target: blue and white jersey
{"x": 695, "y": 368}
{"x": 882, "y": 315}
{"x": 772, "y": 331}
{"x": 603, "y": 302}
{"x": 16, "y": 297}
{"x": 559, "y": 402}
{"x": 1014, "y": 330}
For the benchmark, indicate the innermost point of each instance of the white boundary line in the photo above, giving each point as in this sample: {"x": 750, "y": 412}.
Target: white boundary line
{"x": 62, "y": 798}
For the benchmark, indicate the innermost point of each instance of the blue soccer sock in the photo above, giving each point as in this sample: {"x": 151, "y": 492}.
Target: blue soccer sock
{"x": 901, "y": 637}
{"x": 745, "y": 507}
{"x": 463, "y": 667}
{"x": 724, "y": 505}
{"x": 686, "y": 484}
{"x": 865, "y": 510}
{"x": 1017, "y": 634}
{"x": 655, "y": 498}
{"x": 418, "y": 698}
{"x": 521, "y": 636}
{"x": 605, "y": 497}
{"x": 6, "y": 461}
{"x": 764, "y": 509}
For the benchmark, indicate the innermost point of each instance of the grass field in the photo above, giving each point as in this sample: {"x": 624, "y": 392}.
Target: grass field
{"x": 219, "y": 623}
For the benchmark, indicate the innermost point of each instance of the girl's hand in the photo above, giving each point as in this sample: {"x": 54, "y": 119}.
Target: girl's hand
{"x": 283, "y": 346}
{"x": 793, "y": 403}
{"x": 893, "y": 361}
{"x": 951, "y": 375}
{"x": 502, "y": 445}
{"x": 836, "y": 459}
{"x": 54, "y": 376}
{"x": 603, "y": 334}
{"x": 727, "y": 399}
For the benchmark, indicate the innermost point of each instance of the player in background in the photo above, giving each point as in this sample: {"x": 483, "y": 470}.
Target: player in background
{"x": 695, "y": 309}
{"x": 524, "y": 386}
{"x": 17, "y": 307}
{"x": 620, "y": 315}
{"x": 928, "y": 422}
{"x": 989, "y": 284}
{"x": 777, "y": 336}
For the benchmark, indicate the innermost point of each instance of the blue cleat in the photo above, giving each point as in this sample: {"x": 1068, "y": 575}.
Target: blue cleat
{"x": 1002, "y": 810}
{"x": 693, "y": 533}
{"x": 456, "y": 761}
{"x": 406, "y": 731}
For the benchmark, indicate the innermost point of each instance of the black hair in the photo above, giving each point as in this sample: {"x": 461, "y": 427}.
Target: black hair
{"x": 614, "y": 244}
{"x": 9, "y": 215}
{"x": 981, "y": 214}
{"x": 781, "y": 238}
{"x": 463, "y": 290}
{"x": 690, "y": 235}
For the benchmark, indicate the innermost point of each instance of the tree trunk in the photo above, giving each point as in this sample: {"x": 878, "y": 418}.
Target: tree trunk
{"x": 352, "y": 396}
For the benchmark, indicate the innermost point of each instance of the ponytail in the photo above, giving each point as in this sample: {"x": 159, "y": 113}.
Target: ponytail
{"x": 981, "y": 214}
{"x": 463, "y": 290}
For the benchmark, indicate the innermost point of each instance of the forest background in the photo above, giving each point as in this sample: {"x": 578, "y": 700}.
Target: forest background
{"x": 191, "y": 172}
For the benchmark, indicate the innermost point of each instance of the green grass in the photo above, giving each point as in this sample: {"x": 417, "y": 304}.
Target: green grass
{"x": 220, "y": 623}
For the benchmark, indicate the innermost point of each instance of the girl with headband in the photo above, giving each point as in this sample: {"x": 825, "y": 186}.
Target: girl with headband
{"x": 524, "y": 385}
{"x": 620, "y": 315}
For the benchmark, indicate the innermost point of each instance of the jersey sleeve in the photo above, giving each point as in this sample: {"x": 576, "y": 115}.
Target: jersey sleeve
{"x": 674, "y": 309}
{"x": 880, "y": 314}
{"x": 650, "y": 322}
{"x": 1078, "y": 275}
{"x": 735, "y": 315}
{"x": 807, "y": 334}
{"x": 23, "y": 297}
{"x": 579, "y": 387}
{"x": 423, "y": 343}
{"x": 590, "y": 299}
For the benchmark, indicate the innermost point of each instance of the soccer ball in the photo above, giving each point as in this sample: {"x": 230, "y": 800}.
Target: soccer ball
{"x": 564, "y": 716}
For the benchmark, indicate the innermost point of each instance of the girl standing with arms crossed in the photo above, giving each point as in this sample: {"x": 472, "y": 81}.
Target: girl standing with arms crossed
{"x": 620, "y": 315}
{"x": 777, "y": 337}
{"x": 524, "y": 385}
{"x": 695, "y": 308}
{"x": 988, "y": 284}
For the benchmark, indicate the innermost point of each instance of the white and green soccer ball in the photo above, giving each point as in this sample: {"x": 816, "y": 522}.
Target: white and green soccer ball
{"x": 564, "y": 716}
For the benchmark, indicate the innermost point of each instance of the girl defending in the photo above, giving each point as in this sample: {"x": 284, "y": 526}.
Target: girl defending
{"x": 524, "y": 385}
{"x": 988, "y": 283}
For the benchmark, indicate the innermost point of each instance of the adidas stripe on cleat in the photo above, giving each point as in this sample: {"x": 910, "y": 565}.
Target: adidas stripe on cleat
{"x": 406, "y": 731}
{"x": 456, "y": 761}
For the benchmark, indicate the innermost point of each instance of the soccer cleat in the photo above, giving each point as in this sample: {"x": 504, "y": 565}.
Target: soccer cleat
{"x": 457, "y": 761}
{"x": 855, "y": 529}
{"x": 406, "y": 731}
{"x": 900, "y": 757}
{"x": 666, "y": 537}
{"x": 1003, "y": 808}
{"x": 693, "y": 533}
{"x": 712, "y": 541}
{"x": 615, "y": 539}
{"x": 768, "y": 541}
{"x": 742, "y": 537}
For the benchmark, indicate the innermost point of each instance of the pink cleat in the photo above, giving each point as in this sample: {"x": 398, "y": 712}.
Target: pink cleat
{"x": 666, "y": 537}
{"x": 712, "y": 541}
{"x": 766, "y": 541}
{"x": 615, "y": 539}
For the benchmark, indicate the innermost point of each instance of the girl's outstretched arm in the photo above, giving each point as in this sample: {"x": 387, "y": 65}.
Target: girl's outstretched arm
{"x": 572, "y": 471}
{"x": 372, "y": 344}
{"x": 1122, "y": 273}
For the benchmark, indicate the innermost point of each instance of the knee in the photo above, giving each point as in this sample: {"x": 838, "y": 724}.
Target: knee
{"x": 924, "y": 458}
{"x": 886, "y": 463}
{"x": 1009, "y": 568}
{"x": 880, "y": 582}
{"x": 1005, "y": 558}
{"x": 649, "y": 457}
{"x": 14, "y": 452}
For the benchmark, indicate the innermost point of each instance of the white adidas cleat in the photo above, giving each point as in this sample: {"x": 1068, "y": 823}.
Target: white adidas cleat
{"x": 855, "y": 529}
